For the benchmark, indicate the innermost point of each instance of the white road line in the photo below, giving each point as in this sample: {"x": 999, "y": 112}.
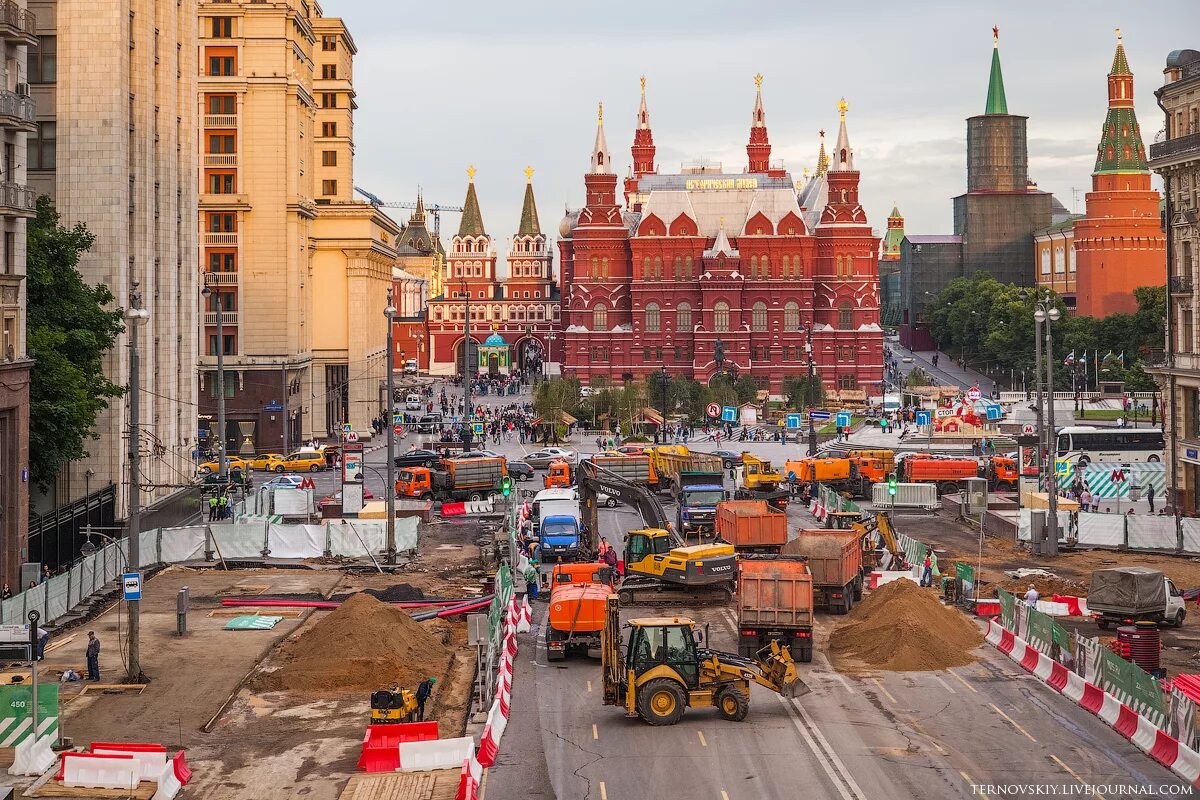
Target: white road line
{"x": 833, "y": 673}
{"x": 1082, "y": 782}
{"x": 947, "y": 686}
{"x": 589, "y": 686}
{"x": 595, "y": 733}
{"x": 971, "y": 781}
{"x": 703, "y": 743}
{"x": 963, "y": 681}
{"x": 886, "y": 693}
{"x": 1012, "y": 722}
{"x": 825, "y": 755}
{"x": 603, "y": 791}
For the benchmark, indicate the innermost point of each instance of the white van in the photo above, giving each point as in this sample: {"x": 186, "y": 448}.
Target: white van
{"x": 550, "y": 502}
{"x": 412, "y": 402}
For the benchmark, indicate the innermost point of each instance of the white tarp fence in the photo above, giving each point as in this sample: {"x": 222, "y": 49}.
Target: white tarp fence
{"x": 182, "y": 544}
{"x": 1101, "y": 530}
{"x": 292, "y": 502}
{"x": 295, "y": 541}
{"x": 1191, "y": 534}
{"x": 1120, "y": 530}
{"x": 1151, "y": 532}
{"x": 240, "y": 539}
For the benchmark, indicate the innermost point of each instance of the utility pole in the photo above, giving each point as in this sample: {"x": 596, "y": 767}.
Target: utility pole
{"x": 135, "y": 315}
{"x": 467, "y": 415}
{"x": 812, "y": 379}
{"x": 1051, "y": 440}
{"x": 389, "y": 491}
{"x": 283, "y": 387}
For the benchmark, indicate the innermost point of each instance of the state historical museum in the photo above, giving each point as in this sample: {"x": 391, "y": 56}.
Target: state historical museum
{"x": 704, "y": 272}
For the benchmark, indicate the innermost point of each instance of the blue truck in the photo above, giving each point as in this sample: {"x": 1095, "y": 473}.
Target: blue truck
{"x": 698, "y": 494}
{"x": 560, "y": 537}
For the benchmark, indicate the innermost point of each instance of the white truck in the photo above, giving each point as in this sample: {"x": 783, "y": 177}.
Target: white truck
{"x": 1125, "y": 595}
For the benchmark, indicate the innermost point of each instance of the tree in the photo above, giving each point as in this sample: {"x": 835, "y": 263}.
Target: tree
{"x": 554, "y": 397}
{"x": 70, "y": 329}
{"x": 803, "y": 392}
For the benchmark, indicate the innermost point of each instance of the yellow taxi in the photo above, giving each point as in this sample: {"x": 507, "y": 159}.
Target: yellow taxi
{"x": 265, "y": 461}
{"x": 233, "y": 462}
{"x": 302, "y": 461}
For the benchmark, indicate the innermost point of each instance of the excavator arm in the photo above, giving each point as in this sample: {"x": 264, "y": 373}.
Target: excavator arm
{"x": 772, "y": 668}
{"x": 592, "y": 480}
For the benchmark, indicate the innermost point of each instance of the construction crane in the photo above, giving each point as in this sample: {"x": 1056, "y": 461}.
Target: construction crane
{"x": 433, "y": 208}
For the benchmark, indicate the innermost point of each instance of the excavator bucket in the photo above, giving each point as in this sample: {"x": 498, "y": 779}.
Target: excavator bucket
{"x": 781, "y": 670}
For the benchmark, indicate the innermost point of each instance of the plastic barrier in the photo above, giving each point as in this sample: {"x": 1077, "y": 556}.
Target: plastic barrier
{"x": 380, "y": 751}
{"x": 435, "y": 754}
{"x": 99, "y": 772}
{"x": 151, "y": 758}
{"x": 182, "y": 771}
{"x": 526, "y": 616}
{"x": 169, "y": 784}
{"x": 33, "y": 756}
{"x": 454, "y": 509}
{"x": 1076, "y": 606}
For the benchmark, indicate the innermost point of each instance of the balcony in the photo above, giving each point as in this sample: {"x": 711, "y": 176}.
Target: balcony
{"x": 223, "y": 239}
{"x": 17, "y": 200}
{"x": 220, "y": 120}
{"x": 17, "y": 23}
{"x": 220, "y": 159}
{"x": 17, "y": 111}
{"x": 227, "y": 317}
{"x": 220, "y": 279}
{"x": 1181, "y": 284}
{"x": 1180, "y": 147}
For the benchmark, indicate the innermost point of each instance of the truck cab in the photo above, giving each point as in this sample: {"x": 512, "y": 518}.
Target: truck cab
{"x": 558, "y": 475}
{"x": 415, "y": 482}
{"x": 551, "y": 502}
{"x": 560, "y": 538}
{"x": 759, "y": 474}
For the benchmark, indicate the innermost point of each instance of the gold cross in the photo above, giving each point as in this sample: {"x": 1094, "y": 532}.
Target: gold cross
{"x": 471, "y": 173}
{"x": 643, "y": 86}
{"x": 758, "y": 81}
{"x": 1118, "y": 34}
{"x": 600, "y": 113}
{"x": 529, "y": 174}
{"x": 842, "y": 107}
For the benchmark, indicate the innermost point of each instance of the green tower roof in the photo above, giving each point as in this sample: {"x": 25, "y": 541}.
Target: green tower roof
{"x": 1121, "y": 148}
{"x": 996, "y": 102}
{"x": 529, "y": 218}
{"x": 1120, "y": 65}
{"x": 472, "y": 219}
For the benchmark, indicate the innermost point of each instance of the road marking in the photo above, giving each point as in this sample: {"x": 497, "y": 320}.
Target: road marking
{"x": 595, "y": 733}
{"x": 1012, "y": 722}
{"x": 971, "y": 781}
{"x": 936, "y": 744}
{"x": 886, "y": 693}
{"x": 603, "y": 791}
{"x": 1070, "y": 771}
{"x": 947, "y": 686}
{"x": 826, "y": 756}
{"x": 701, "y": 735}
{"x": 963, "y": 681}
{"x": 724, "y": 795}
{"x": 589, "y": 686}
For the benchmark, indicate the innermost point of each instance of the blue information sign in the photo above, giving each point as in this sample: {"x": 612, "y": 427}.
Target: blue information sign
{"x": 924, "y": 418}
{"x": 729, "y": 414}
{"x": 793, "y": 421}
{"x": 994, "y": 412}
{"x": 843, "y": 419}
{"x": 819, "y": 416}
{"x": 131, "y": 586}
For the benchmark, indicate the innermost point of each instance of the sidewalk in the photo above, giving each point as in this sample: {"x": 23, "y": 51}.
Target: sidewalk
{"x": 947, "y": 371}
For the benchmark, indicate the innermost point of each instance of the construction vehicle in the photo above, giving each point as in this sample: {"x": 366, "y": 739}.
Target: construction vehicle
{"x": 558, "y": 475}
{"x": 672, "y": 462}
{"x": 758, "y": 475}
{"x": 637, "y": 469}
{"x": 945, "y": 472}
{"x": 659, "y": 567}
{"x": 751, "y": 526}
{"x": 888, "y": 457}
{"x": 460, "y": 479}
{"x": 697, "y": 494}
{"x": 1002, "y": 473}
{"x": 393, "y": 706}
{"x": 664, "y": 671}
{"x": 835, "y": 562}
{"x": 775, "y": 602}
{"x": 580, "y": 572}
{"x": 576, "y": 617}
{"x": 879, "y": 546}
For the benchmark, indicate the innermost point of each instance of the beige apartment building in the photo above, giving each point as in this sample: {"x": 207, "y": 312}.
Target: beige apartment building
{"x": 301, "y": 270}
{"x": 1175, "y": 156}
{"x": 114, "y": 84}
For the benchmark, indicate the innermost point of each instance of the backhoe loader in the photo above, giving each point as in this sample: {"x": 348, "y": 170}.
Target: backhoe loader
{"x": 664, "y": 672}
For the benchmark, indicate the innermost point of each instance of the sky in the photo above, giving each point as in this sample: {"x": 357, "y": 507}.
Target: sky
{"x": 502, "y": 85}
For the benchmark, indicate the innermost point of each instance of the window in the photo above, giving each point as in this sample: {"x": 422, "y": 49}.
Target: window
{"x": 329, "y": 158}
{"x": 42, "y": 147}
{"x": 849, "y": 267}
{"x": 595, "y": 267}
{"x": 753, "y": 266}
{"x": 791, "y": 316}
{"x": 845, "y": 382}
{"x": 687, "y": 268}
{"x": 1045, "y": 260}
{"x": 721, "y": 317}
{"x": 221, "y": 143}
{"x": 657, "y": 272}
{"x": 43, "y": 60}
{"x": 840, "y": 267}
{"x": 222, "y": 222}
{"x": 600, "y": 317}
{"x": 604, "y": 267}
{"x": 329, "y": 129}
{"x": 222, "y": 64}
{"x": 220, "y": 103}
{"x": 222, "y": 27}
{"x": 329, "y": 41}
{"x": 765, "y": 267}
{"x": 212, "y": 351}
{"x": 645, "y": 267}
{"x": 758, "y": 317}
{"x": 599, "y": 354}
{"x": 683, "y": 317}
{"x": 1060, "y": 260}
{"x": 1186, "y": 342}
{"x": 328, "y": 188}
{"x": 329, "y": 72}
{"x": 845, "y": 316}
{"x": 328, "y": 99}
{"x": 678, "y": 268}
{"x": 220, "y": 183}
{"x": 653, "y": 318}
{"x": 222, "y": 262}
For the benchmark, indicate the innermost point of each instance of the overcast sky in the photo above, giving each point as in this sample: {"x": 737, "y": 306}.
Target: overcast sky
{"x": 504, "y": 84}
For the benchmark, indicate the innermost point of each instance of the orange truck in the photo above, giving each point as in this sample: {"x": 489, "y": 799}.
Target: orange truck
{"x": 775, "y": 602}
{"x": 751, "y": 526}
{"x": 1002, "y": 472}
{"x": 945, "y": 472}
{"x": 558, "y": 475}
{"x": 835, "y": 563}
{"x": 853, "y": 473}
{"x": 577, "y": 610}
{"x": 460, "y": 479}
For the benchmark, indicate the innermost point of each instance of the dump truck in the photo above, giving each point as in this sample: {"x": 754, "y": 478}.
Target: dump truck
{"x": 775, "y": 603}
{"x": 1125, "y": 595}
{"x": 945, "y": 472}
{"x": 576, "y": 618}
{"x": 698, "y": 494}
{"x": 558, "y": 475}
{"x": 1002, "y": 473}
{"x": 751, "y": 526}
{"x": 672, "y": 461}
{"x": 460, "y": 479}
{"x": 634, "y": 469}
{"x": 835, "y": 562}
{"x": 888, "y": 457}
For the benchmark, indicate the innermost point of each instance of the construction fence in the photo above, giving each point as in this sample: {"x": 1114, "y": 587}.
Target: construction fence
{"x": 1120, "y": 531}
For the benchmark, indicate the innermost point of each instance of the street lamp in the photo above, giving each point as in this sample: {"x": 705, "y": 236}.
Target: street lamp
{"x": 222, "y": 466}
{"x": 663, "y": 382}
{"x": 389, "y": 490}
{"x": 136, "y": 315}
{"x": 1045, "y": 312}
{"x": 467, "y": 415}
{"x": 810, "y": 393}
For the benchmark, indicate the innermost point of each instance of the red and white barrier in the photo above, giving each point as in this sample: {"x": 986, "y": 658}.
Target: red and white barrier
{"x": 380, "y": 750}
{"x": 1162, "y": 747}
{"x": 99, "y": 771}
{"x": 169, "y": 784}
{"x": 469, "y": 779}
{"x": 493, "y": 729}
{"x": 1076, "y": 606}
{"x": 435, "y": 754}
{"x": 33, "y": 755}
{"x": 525, "y": 623}
{"x": 151, "y": 758}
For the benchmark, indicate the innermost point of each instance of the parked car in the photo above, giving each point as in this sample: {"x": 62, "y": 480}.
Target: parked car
{"x": 631, "y": 449}
{"x": 417, "y": 458}
{"x": 429, "y": 423}
{"x": 266, "y": 461}
{"x": 481, "y": 454}
{"x": 729, "y": 459}
{"x": 284, "y": 482}
{"x": 520, "y": 471}
{"x": 410, "y": 366}
{"x": 606, "y": 500}
{"x": 231, "y": 463}
{"x": 540, "y": 459}
{"x": 303, "y": 461}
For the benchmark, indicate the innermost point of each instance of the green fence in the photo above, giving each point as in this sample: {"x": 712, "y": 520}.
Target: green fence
{"x": 1132, "y": 686}
{"x": 1008, "y": 610}
{"x": 15, "y": 704}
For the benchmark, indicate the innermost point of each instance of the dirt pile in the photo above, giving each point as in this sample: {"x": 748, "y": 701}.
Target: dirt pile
{"x": 362, "y": 645}
{"x": 904, "y": 628}
{"x": 1047, "y": 587}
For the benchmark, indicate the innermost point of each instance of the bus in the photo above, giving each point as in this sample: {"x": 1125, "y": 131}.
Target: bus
{"x": 1084, "y": 444}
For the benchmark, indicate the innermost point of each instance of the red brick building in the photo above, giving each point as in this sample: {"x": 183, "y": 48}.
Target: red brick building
{"x": 705, "y": 272}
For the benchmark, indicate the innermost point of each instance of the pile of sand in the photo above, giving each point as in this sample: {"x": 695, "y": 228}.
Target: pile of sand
{"x": 904, "y": 628}
{"x": 1047, "y": 586}
{"x": 362, "y": 645}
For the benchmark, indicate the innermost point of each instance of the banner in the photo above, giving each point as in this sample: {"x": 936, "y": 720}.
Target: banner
{"x": 15, "y": 704}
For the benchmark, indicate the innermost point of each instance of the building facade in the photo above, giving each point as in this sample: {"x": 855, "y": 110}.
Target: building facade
{"x": 889, "y": 269}
{"x": 1176, "y": 158}
{"x": 1055, "y": 260}
{"x": 706, "y": 272}
{"x": 115, "y": 147}
{"x": 298, "y": 270}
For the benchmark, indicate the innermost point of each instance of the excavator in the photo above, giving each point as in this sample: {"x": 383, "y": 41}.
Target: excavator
{"x": 660, "y": 568}
{"x": 664, "y": 670}
{"x": 881, "y": 527}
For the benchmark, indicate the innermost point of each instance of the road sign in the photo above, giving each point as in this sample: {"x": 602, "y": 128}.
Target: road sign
{"x": 349, "y": 436}
{"x": 714, "y": 410}
{"x": 477, "y": 428}
{"x": 397, "y": 419}
{"x": 347, "y": 428}
{"x": 793, "y": 421}
{"x": 819, "y": 416}
{"x": 1118, "y": 476}
{"x": 843, "y": 419}
{"x": 307, "y": 483}
{"x": 352, "y": 462}
{"x": 398, "y": 430}
{"x": 924, "y": 418}
{"x": 943, "y": 412}
{"x": 1062, "y": 466}
{"x": 729, "y": 414}
{"x": 131, "y": 586}
{"x": 1027, "y": 429}
{"x": 274, "y": 405}
{"x": 994, "y": 412}
{"x": 974, "y": 394}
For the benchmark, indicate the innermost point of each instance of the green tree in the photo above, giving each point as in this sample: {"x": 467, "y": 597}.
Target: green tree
{"x": 804, "y": 392}
{"x": 70, "y": 329}
{"x": 746, "y": 388}
{"x": 554, "y": 397}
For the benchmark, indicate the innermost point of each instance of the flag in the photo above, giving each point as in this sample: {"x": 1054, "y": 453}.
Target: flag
{"x": 1122, "y": 359}
{"x": 1069, "y": 360}
{"x": 1109, "y": 356}
{"x": 1083, "y": 358}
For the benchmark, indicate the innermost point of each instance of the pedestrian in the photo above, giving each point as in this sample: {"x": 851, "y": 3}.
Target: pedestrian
{"x": 927, "y": 571}
{"x": 45, "y": 573}
{"x": 8, "y": 592}
{"x": 1150, "y": 497}
{"x": 43, "y": 638}
{"x": 93, "y": 657}
{"x": 603, "y": 547}
{"x": 223, "y": 507}
{"x": 531, "y": 581}
{"x": 610, "y": 560}
{"x": 1031, "y": 597}
{"x": 424, "y": 690}
{"x": 212, "y": 508}
{"x": 1085, "y": 500}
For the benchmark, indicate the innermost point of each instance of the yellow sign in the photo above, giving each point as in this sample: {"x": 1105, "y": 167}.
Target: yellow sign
{"x": 721, "y": 183}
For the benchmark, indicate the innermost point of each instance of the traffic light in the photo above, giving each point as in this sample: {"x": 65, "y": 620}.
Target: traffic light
{"x": 506, "y": 486}
{"x": 892, "y": 484}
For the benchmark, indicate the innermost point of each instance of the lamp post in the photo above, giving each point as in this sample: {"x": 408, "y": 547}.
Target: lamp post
{"x": 663, "y": 382}
{"x": 222, "y": 466}
{"x": 389, "y": 489}
{"x": 549, "y": 352}
{"x": 1045, "y": 312}
{"x": 467, "y": 415}
{"x": 809, "y": 393}
{"x": 135, "y": 315}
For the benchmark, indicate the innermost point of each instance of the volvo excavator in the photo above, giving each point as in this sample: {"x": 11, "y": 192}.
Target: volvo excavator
{"x": 660, "y": 569}
{"x": 664, "y": 671}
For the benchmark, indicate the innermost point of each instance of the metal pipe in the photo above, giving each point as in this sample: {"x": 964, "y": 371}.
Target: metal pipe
{"x": 389, "y": 489}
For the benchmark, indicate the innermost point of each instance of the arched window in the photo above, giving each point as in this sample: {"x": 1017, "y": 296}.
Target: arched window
{"x": 753, "y": 266}
{"x": 721, "y": 317}
{"x": 678, "y": 268}
{"x": 604, "y": 267}
{"x": 683, "y": 317}
{"x": 791, "y": 316}
{"x": 687, "y": 268}
{"x": 845, "y": 316}
{"x": 1046, "y": 261}
{"x": 519, "y": 313}
{"x": 765, "y": 266}
{"x": 1060, "y": 260}
{"x": 599, "y": 317}
{"x": 840, "y": 267}
{"x": 758, "y": 317}
{"x": 645, "y": 267}
{"x": 653, "y": 318}
{"x": 595, "y": 267}
{"x": 849, "y": 266}
{"x": 657, "y": 268}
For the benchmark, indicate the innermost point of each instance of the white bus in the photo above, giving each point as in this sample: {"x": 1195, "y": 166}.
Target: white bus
{"x": 1084, "y": 444}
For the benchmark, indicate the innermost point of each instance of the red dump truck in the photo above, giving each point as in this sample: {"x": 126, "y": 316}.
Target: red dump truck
{"x": 775, "y": 601}
{"x": 751, "y": 526}
{"x": 835, "y": 562}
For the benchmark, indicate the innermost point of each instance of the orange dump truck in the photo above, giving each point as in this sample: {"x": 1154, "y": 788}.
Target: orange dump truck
{"x": 945, "y": 472}
{"x": 576, "y": 619}
{"x": 751, "y": 526}
{"x": 1002, "y": 473}
{"x": 775, "y": 601}
{"x": 461, "y": 479}
{"x": 835, "y": 563}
